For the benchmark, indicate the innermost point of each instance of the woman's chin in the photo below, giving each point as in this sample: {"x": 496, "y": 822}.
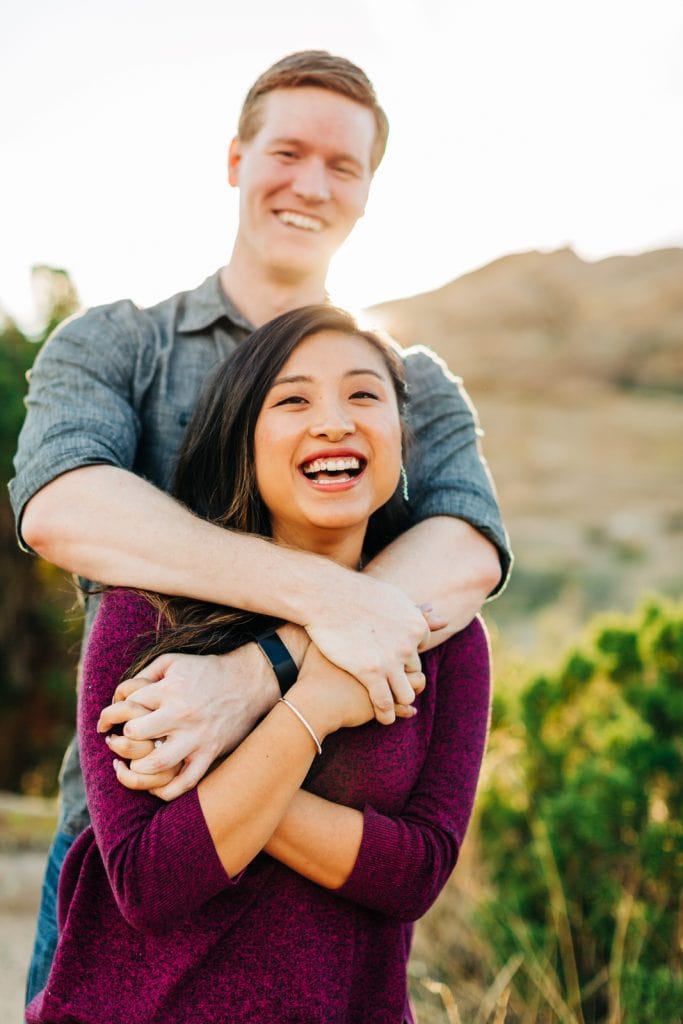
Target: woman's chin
{"x": 338, "y": 536}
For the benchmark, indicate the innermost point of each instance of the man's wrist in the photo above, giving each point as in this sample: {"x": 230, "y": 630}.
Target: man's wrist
{"x": 296, "y": 639}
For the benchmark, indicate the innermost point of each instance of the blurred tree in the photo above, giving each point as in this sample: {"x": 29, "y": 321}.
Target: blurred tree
{"x": 38, "y": 630}
{"x": 582, "y": 829}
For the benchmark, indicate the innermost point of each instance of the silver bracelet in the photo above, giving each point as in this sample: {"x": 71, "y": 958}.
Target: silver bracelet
{"x": 283, "y": 700}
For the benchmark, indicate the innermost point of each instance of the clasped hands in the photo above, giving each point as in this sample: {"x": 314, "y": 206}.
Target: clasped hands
{"x": 184, "y": 712}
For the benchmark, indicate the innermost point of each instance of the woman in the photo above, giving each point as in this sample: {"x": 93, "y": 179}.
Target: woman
{"x": 284, "y": 886}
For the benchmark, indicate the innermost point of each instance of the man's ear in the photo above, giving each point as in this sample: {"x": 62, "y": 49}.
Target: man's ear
{"x": 234, "y": 157}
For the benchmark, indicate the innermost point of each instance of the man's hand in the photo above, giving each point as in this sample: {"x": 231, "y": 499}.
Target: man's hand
{"x": 200, "y": 706}
{"x": 374, "y": 632}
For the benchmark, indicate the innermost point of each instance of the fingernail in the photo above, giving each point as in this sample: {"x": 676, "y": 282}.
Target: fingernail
{"x": 107, "y": 739}
{"x": 115, "y": 763}
{"x": 427, "y": 607}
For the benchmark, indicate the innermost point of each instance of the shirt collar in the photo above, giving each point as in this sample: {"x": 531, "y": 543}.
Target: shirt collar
{"x": 206, "y": 304}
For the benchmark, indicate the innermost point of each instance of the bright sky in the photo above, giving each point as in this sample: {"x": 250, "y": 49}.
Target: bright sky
{"x": 515, "y": 124}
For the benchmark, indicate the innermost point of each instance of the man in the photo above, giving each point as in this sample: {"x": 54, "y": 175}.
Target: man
{"x": 111, "y": 393}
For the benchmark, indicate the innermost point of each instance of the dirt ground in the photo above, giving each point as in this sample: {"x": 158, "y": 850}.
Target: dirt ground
{"x": 21, "y": 873}
{"x": 26, "y": 828}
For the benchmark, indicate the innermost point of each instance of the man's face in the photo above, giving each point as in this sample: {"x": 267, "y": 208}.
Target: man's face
{"x": 303, "y": 178}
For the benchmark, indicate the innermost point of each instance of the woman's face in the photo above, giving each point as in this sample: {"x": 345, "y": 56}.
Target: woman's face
{"x": 327, "y": 444}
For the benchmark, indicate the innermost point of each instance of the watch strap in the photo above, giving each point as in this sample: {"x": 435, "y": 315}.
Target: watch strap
{"x": 283, "y": 663}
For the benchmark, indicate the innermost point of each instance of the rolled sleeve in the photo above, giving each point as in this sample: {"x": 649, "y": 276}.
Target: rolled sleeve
{"x": 447, "y": 472}
{"x": 80, "y": 404}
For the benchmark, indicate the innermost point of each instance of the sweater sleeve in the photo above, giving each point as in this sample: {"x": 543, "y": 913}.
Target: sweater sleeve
{"x": 159, "y": 857}
{"x": 405, "y": 860}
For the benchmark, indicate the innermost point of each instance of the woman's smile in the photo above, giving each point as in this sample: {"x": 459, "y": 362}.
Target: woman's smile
{"x": 336, "y": 469}
{"x": 327, "y": 444}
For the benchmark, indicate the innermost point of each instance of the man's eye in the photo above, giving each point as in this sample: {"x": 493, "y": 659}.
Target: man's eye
{"x": 288, "y": 154}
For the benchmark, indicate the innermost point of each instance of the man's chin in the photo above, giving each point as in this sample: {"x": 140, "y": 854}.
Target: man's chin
{"x": 294, "y": 267}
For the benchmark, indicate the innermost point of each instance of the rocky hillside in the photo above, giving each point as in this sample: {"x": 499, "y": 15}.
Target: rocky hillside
{"x": 535, "y": 319}
{"x": 576, "y": 369}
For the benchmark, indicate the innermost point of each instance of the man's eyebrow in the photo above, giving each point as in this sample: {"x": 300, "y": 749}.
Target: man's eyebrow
{"x": 302, "y": 378}
{"x": 346, "y": 157}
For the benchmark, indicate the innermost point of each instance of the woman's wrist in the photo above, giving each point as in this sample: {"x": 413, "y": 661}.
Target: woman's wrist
{"x": 315, "y": 705}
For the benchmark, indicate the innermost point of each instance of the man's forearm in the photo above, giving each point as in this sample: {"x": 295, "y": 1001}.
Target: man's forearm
{"x": 444, "y": 562}
{"x": 110, "y": 525}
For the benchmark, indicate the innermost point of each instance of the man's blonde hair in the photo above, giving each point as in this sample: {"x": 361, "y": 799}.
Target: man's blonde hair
{"x": 322, "y": 70}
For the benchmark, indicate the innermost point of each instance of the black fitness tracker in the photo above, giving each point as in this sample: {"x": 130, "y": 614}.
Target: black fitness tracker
{"x": 279, "y": 657}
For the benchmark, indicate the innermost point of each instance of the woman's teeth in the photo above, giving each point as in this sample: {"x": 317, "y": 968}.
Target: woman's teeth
{"x": 349, "y": 466}
{"x": 331, "y": 465}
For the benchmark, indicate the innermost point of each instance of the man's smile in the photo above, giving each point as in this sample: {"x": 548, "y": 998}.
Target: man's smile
{"x": 300, "y": 220}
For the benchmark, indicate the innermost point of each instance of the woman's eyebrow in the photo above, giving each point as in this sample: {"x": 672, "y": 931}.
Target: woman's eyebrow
{"x": 294, "y": 378}
{"x": 364, "y": 372}
{"x": 302, "y": 378}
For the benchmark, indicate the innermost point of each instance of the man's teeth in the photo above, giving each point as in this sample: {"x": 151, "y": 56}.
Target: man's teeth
{"x": 300, "y": 220}
{"x": 331, "y": 465}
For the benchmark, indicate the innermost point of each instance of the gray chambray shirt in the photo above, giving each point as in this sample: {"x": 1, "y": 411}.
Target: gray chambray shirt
{"x": 118, "y": 385}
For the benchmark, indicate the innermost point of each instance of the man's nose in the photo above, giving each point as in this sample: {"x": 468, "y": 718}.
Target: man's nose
{"x": 311, "y": 182}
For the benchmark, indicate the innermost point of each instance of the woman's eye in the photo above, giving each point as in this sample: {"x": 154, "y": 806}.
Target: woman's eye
{"x": 291, "y": 400}
{"x": 365, "y": 394}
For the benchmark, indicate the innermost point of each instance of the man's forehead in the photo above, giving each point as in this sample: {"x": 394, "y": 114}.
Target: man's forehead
{"x": 301, "y": 113}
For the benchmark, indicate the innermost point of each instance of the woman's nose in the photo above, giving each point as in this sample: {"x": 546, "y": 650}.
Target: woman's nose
{"x": 334, "y": 425}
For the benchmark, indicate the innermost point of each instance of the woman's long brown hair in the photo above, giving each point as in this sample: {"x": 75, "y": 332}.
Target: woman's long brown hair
{"x": 215, "y": 473}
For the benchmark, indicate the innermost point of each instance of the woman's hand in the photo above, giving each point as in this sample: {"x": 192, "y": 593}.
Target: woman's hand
{"x": 335, "y": 699}
{"x": 125, "y": 749}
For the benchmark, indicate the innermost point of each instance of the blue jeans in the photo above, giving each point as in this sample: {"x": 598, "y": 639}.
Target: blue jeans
{"x": 45, "y": 941}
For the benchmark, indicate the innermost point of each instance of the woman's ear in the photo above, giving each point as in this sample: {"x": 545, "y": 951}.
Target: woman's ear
{"x": 234, "y": 158}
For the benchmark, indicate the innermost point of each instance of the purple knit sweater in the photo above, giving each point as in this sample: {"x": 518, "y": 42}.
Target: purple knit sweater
{"x": 153, "y": 931}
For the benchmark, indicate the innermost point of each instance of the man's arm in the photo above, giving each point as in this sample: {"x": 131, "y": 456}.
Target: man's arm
{"x": 444, "y": 562}
{"x": 107, "y": 524}
{"x": 79, "y": 505}
{"x": 447, "y": 473}
{"x": 198, "y": 709}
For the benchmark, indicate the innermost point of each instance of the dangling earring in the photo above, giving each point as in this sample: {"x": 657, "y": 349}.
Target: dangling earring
{"x": 404, "y": 483}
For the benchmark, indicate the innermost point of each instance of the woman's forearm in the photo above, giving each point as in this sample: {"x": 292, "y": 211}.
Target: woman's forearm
{"x": 245, "y": 798}
{"x": 318, "y": 839}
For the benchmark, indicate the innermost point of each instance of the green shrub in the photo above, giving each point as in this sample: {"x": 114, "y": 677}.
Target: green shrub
{"x": 581, "y": 828}
{"x": 37, "y": 646}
